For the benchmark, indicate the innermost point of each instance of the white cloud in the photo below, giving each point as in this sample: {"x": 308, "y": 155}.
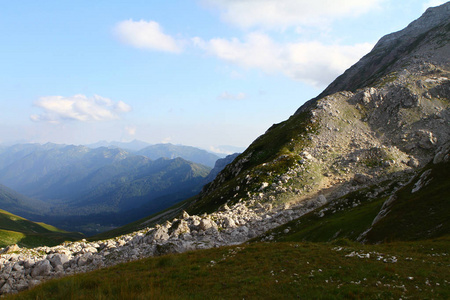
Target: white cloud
{"x": 287, "y": 13}
{"x": 146, "y": 35}
{"x": 227, "y": 96}
{"x": 78, "y": 108}
{"x": 311, "y": 62}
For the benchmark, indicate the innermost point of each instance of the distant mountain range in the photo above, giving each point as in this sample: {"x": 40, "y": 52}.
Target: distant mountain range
{"x": 134, "y": 145}
{"x": 168, "y": 150}
{"x": 90, "y": 190}
{"x": 74, "y": 186}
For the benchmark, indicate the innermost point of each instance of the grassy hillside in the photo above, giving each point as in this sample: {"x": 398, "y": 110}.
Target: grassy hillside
{"x": 25, "y": 233}
{"x": 418, "y": 214}
{"x": 345, "y": 270}
{"x": 411, "y": 216}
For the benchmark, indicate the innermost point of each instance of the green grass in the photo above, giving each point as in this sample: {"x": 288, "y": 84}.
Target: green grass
{"x": 346, "y": 217}
{"x": 270, "y": 271}
{"x": 412, "y": 216}
{"x": 424, "y": 213}
{"x": 25, "y": 233}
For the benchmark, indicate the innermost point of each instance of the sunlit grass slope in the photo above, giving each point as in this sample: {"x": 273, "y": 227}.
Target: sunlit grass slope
{"x": 25, "y": 233}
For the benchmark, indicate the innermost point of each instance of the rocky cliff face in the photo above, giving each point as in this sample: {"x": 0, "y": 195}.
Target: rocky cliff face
{"x": 381, "y": 121}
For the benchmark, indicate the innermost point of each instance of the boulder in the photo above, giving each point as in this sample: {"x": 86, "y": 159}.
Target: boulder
{"x": 58, "y": 260}
{"x": 160, "y": 233}
{"x": 321, "y": 200}
{"x": 228, "y": 222}
{"x": 206, "y": 223}
{"x": 361, "y": 178}
{"x": 42, "y": 268}
{"x": 426, "y": 139}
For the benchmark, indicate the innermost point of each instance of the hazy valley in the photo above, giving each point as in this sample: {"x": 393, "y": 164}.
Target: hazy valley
{"x": 89, "y": 190}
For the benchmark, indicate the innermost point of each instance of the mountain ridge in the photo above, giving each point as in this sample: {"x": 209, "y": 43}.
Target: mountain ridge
{"x": 383, "y": 57}
{"x": 111, "y": 185}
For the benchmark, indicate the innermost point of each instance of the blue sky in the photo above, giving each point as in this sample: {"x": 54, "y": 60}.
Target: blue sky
{"x": 203, "y": 73}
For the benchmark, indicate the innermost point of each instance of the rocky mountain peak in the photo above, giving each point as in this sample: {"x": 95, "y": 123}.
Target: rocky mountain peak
{"x": 424, "y": 41}
{"x": 432, "y": 17}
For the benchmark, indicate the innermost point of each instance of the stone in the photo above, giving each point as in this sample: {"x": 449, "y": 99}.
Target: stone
{"x": 361, "y": 178}
{"x": 58, "y": 259}
{"x": 160, "y": 234}
{"x": 82, "y": 261}
{"x": 321, "y": 200}
{"x": 17, "y": 267}
{"x": 413, "y": 162}
{"x": 42, "y": 268}
{"x": 21, "y": 285}
{"x": 10, "y": 249}
{"x": 426, "y": 139}
{"x": 443, "y": 154}
{"x": 206, "y": 223}
{"x": 6, "y": 289}
{"x": 228, "y": 222}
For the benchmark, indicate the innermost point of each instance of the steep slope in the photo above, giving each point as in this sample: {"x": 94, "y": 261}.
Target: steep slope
{"x": 219, "y": 165}
{"x": 390, "y": 211}
{"x": 18, "y": 230}
{"x": 12, "y": 201}
{"x": 395, "y": 50}
{"x": 393, "y": 123}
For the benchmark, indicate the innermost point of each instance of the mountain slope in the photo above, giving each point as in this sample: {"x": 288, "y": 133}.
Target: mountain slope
{"x": 391, "y": 211}
{"x": 12, "y": 201}
{"x": 355, "y": 136}
{"x": 18, "y": 230}
{"x": 395, "y": 50}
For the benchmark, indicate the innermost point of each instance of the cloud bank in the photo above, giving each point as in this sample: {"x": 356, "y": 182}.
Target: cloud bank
{"x": 311, "y": 62}
{"x": 78, "y": 108}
